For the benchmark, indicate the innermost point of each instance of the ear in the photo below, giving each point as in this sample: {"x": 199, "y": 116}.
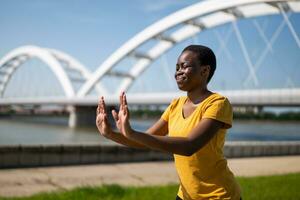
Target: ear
{"x": 205, "y": 69}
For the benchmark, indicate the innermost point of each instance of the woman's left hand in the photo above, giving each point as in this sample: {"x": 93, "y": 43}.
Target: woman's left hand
{"x": 122, "y": 118}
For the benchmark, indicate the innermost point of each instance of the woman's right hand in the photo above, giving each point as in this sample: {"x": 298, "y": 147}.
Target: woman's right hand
{"x": 122, "y": 117}
{"x": 117, "y": 115}
{"x": 102, "y": 121}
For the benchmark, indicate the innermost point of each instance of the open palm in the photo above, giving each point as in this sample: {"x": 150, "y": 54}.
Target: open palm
{"x": 101, "y": 119}
{"x": 122, "y": 117}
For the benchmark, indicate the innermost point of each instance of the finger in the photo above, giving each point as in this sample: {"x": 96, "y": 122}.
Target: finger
{"x": 101, "y": 104}
{"x": 125, "y": 109}
{"x": 105, "y": 120}
{"x": 115, "y": 115}
{"x": 98, "y": 108}
{"x": 104, "y": 105}
{"x": 125, "y": 106}
{"x": 99, "y": 121}
{"x": 102, "y": 121}
{"x": 125, "y": 98}
{"x": 121, "y": 100}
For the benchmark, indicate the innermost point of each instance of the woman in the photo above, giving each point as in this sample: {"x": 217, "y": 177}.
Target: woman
{"x": 192, "y": 128}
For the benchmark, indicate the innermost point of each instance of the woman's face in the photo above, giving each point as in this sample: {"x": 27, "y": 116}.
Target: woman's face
{"x": 189, "y": 73}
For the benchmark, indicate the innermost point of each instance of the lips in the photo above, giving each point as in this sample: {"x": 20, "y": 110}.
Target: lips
{"x": 180, "y": 79}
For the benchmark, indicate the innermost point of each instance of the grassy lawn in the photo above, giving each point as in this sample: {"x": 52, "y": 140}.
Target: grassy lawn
{"x": 267, "y": 187}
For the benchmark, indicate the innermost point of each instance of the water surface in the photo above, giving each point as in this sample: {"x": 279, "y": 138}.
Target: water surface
{"x": 45, "y": 130}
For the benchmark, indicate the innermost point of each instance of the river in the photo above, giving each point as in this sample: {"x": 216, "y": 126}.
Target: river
{"x": 45, "y": 130}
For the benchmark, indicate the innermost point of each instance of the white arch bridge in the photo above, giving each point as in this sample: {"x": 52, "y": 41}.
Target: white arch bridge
{"x": 188, "y": 22}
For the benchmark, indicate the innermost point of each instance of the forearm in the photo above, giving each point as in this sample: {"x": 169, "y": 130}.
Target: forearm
{"x": 174, "y": 145}
{"x": 121, "y": 139}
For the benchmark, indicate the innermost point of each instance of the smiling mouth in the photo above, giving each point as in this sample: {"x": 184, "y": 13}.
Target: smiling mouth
{"x": 180, "y": 79}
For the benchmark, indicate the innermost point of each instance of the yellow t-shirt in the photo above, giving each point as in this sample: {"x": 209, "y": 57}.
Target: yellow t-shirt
{"x": 205, "y": 174}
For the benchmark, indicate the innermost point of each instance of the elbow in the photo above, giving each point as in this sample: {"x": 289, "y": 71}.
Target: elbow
{"x": 188, "y": 151}
{"x": 190, "y": 148}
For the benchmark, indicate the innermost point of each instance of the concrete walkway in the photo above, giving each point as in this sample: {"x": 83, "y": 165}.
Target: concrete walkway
{"x": 24, "y": 182}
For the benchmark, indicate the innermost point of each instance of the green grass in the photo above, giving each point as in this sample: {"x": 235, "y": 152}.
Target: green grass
{"x": 267, "y": 187}
{"x": 285, "y": 187}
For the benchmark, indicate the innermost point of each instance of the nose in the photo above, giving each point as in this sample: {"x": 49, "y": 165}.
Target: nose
{"x": 178, "y": 72}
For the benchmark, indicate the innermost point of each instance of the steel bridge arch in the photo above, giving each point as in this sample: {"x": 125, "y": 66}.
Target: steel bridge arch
{"x": 53, "y": 58}
{"x": 75, "y": 65}
{"x": 195, "y": 18}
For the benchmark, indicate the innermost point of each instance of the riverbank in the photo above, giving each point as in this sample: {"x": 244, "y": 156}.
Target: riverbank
{"x": 26, "y": 182}
{"x": 18, "y": 156}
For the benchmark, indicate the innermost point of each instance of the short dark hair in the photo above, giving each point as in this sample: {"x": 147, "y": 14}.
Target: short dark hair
{"x": 205, "y": 56}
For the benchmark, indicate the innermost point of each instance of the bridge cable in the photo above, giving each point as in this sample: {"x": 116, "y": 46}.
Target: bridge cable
{"x": 245, "y": 53}
{"x": 167, "y": 70}
{"x": 223, "y": 43}
{"x": 262, "y": 35}
{"x": 266, "y": 50}
{"x": 223, "y": 48}
{"x": 290, "y": 26}
{"x": 289, "y": 81}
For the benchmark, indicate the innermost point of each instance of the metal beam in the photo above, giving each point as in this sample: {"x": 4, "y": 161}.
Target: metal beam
{"x": 140, "y": 55}
{"x": 280, "y": 6}
{"x": 267, "y": 97}
{"x": 77, "y": 79}
{"x": 120, "y": 74}
{"x": 283, "y": 9}
{"x": 235, "y": 12}
{"x": 196, "y": 24}
{"x": 165, "y": 38}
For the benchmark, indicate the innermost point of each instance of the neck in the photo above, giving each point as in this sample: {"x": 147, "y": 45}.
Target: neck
{"x": 198, "y": 94}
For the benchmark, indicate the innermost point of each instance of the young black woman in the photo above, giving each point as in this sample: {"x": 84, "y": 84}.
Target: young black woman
{"x": 193, "y": 128}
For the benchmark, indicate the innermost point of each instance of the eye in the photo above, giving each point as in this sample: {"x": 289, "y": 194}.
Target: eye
{"x": 186, "y": 65}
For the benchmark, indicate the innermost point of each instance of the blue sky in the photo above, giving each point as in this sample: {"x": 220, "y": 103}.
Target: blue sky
{"x": 88, "y": 30}
{"x": 91, "y": 30}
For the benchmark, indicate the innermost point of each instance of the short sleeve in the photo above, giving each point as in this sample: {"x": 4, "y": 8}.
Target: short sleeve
{"x": 219, "y": 109}
{"x": 166, "y": 114}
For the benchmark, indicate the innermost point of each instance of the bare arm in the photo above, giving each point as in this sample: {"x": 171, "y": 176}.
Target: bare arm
{"x": 159, "y": 128}
{"x": 186, "y": 146}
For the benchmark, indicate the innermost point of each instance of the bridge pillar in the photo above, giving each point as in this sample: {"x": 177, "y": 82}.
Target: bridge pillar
{"x": 82, "y": 116}
{"x": 258, "y": 109}
{"x": 85, "y": 116}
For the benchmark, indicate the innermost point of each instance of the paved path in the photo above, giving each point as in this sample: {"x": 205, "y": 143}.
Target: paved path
{"x": 24, "y": 182}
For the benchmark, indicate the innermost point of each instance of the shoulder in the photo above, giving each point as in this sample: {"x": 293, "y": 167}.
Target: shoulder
{"x": 217, "y": 101}
{"x": 219, "y": 108}
{"x": 177, "y": 101}
{"x": 218, "y": 98}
